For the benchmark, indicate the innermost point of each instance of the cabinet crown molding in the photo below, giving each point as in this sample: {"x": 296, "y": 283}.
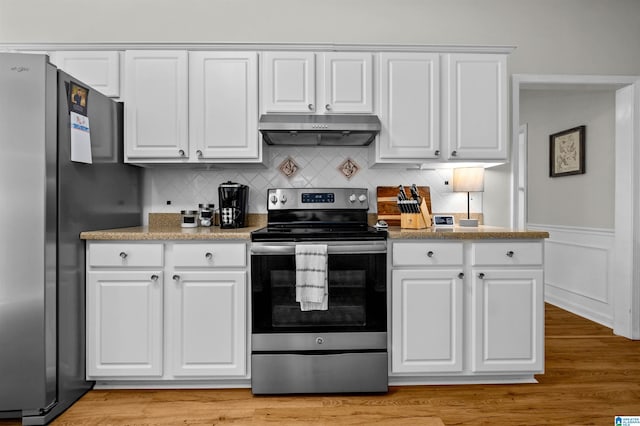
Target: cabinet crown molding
{"x": 337, "y": 47}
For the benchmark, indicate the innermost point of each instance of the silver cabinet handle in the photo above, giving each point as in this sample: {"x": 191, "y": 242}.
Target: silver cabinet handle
{"x": 437, "y": 153}
{"x": 181, "y": 153}
{"x": 327, "y": 107}
{"x": 461, "y": 275}
{"x": 209, "y": 256}
{"x": 154, "y": 277}
{"x": 310, "y": 106}
{"x": 481, "y": 275}
{"x": 510, "y": 253}
{"x": 430, "y": 253}
{"x": 176, "y": 277}
{"x": 454, "y": 153}
{"x": 123, "y": 255}
{"x": 199, "y": 154}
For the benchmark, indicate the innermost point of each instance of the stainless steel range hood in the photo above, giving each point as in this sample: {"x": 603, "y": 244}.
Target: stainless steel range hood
{"x": 312, "y": 130}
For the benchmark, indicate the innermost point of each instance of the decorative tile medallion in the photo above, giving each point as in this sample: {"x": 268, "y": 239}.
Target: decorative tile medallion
{"x": 348, "y": 168}
{"x": 288, "y": 167}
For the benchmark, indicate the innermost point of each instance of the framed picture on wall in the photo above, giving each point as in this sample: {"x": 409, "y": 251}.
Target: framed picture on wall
{"x": 567, "y": 152}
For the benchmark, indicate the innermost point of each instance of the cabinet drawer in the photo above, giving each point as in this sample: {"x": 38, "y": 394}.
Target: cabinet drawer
{"x": 427, "y": 254}
{"x": 210, "y": 255}
{"x": 507, "y": 253}
{"x": 126, "y": 255}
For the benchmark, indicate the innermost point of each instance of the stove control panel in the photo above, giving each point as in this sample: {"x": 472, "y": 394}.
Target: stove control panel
{"x": 317, "y": 198}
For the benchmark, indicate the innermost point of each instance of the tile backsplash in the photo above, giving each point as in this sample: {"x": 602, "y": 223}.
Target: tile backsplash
{"x": 185, "y": 188}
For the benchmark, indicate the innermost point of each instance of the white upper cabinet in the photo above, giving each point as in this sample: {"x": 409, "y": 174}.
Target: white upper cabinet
{"x": 476, "y": 105}
{"x": 98, "y": 69}
{"x": 288, "y": 82}
{"x": 223, "y": 106}
{"x": 156, "y": 102}
{"x": 409, "y": 106}
{"x": 321, "y": 83}
{"x": 444, "y": 107}
{"x": 347, "y": 83}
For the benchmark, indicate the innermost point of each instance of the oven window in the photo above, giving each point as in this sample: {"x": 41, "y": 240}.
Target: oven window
{"x": 357, "y": 295}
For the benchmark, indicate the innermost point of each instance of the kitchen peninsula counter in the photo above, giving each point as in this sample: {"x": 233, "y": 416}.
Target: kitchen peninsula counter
{"x": 481, "y": 232}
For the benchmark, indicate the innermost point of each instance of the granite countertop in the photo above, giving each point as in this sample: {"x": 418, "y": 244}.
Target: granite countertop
{"x": 166, "y": 226}
{"x": 170, "y": 233}
{"x": 482, "y": 232}
{"x": 175, "y": 232}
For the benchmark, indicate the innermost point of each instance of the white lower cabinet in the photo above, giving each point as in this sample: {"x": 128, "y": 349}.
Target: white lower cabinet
{"x": 173, "y": 311}
{"x": 124, "y": 324}
{"x": 426, "y": 321}
{"x": 207, "y": 323}
{"x": 507, "y": 306}
{"x": 466, "y": 311}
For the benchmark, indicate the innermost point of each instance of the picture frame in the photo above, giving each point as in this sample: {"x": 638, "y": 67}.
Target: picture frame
{"x": 567, "y": 152}
{"x": 78, "y": 98}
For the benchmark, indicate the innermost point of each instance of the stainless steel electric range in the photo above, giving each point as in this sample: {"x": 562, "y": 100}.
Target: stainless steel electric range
{"x": 343, "y": 347}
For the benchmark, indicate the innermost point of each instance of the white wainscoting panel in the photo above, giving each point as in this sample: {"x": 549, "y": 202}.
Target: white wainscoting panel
{"x": 578, "y": 274}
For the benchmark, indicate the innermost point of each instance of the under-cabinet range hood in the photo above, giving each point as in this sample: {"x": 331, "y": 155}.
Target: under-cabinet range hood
{"x": 312, "y": 130}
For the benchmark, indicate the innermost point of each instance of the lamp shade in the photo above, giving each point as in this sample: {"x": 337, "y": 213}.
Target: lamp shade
{"x": 468, "y": 179}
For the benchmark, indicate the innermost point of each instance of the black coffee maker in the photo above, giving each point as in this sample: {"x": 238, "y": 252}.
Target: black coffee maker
{"x": 233, "y": 202}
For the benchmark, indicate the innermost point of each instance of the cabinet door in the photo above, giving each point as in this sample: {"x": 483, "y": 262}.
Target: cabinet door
{"x": 99, "y": 69}
{"x": 477, "y": 106}
{"x": 288, "y": 82}
{"x": 155, "y": 105}
{"x": 124, "y": 324}
{"x": 508, "y": 320}
{"x": 348, "y": 83}
{"x": 223, "y": 105}
{"x": 409, "y": 106}
{"x": 426, "y": 321}
{"x": 207, "y": 318}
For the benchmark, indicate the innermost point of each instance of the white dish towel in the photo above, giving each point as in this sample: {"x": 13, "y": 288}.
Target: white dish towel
{"x": 311, "y": 277}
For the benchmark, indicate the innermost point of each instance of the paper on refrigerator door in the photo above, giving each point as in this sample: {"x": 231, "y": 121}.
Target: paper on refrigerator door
{"x": 80, "y": 139}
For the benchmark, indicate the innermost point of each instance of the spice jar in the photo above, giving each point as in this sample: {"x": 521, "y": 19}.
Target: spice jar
{"x": 206, "y": 214}
{"x": 189, "y": 218}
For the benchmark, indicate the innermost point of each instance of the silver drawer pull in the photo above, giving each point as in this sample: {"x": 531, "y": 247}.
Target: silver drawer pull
{"x": 430, "y": 253}
{"x": 481, "y": 275}
{"x": 209, "y": 255}
{"x": 461, "y": 275}
{"x": 123, "y": 255}
{"x": 154, "y": 277}
{"x": 510, "y": 253}
{"x": 176, "y": 277}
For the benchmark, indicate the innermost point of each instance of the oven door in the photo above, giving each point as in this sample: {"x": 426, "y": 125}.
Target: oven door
{"x": 356, "y": 286}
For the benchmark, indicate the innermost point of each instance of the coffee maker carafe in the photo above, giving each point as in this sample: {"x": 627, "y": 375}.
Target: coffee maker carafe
{"x": 233, "y": 204}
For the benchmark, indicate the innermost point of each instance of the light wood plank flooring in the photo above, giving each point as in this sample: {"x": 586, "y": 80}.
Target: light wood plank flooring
{"x": 591, "y": 376}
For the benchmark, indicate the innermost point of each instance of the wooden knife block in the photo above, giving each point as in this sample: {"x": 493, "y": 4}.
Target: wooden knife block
{"x": 387, "y": 198}
{"x": 420, "y": 220}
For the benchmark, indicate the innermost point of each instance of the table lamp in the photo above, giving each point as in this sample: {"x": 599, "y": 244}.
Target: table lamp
{"x": 468, "y": 179}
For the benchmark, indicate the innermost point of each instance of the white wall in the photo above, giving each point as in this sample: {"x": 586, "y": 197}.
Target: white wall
{"x": 551, "y": 36}
{"x": 577, "y": 210}
{"x": 585, "y": 200}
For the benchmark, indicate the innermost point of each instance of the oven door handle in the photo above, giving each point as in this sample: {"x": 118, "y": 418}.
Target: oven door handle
{"x": 290, "y": 249}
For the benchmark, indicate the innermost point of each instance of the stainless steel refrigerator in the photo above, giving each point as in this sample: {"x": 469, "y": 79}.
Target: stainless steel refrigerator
{"x": 46, "y": 201}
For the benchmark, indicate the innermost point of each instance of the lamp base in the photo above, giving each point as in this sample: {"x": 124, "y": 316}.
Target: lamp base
{"x": 468, "y": 222}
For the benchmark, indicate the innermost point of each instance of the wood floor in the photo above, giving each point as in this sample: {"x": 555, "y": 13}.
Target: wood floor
{"x": 591, "y": 376}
